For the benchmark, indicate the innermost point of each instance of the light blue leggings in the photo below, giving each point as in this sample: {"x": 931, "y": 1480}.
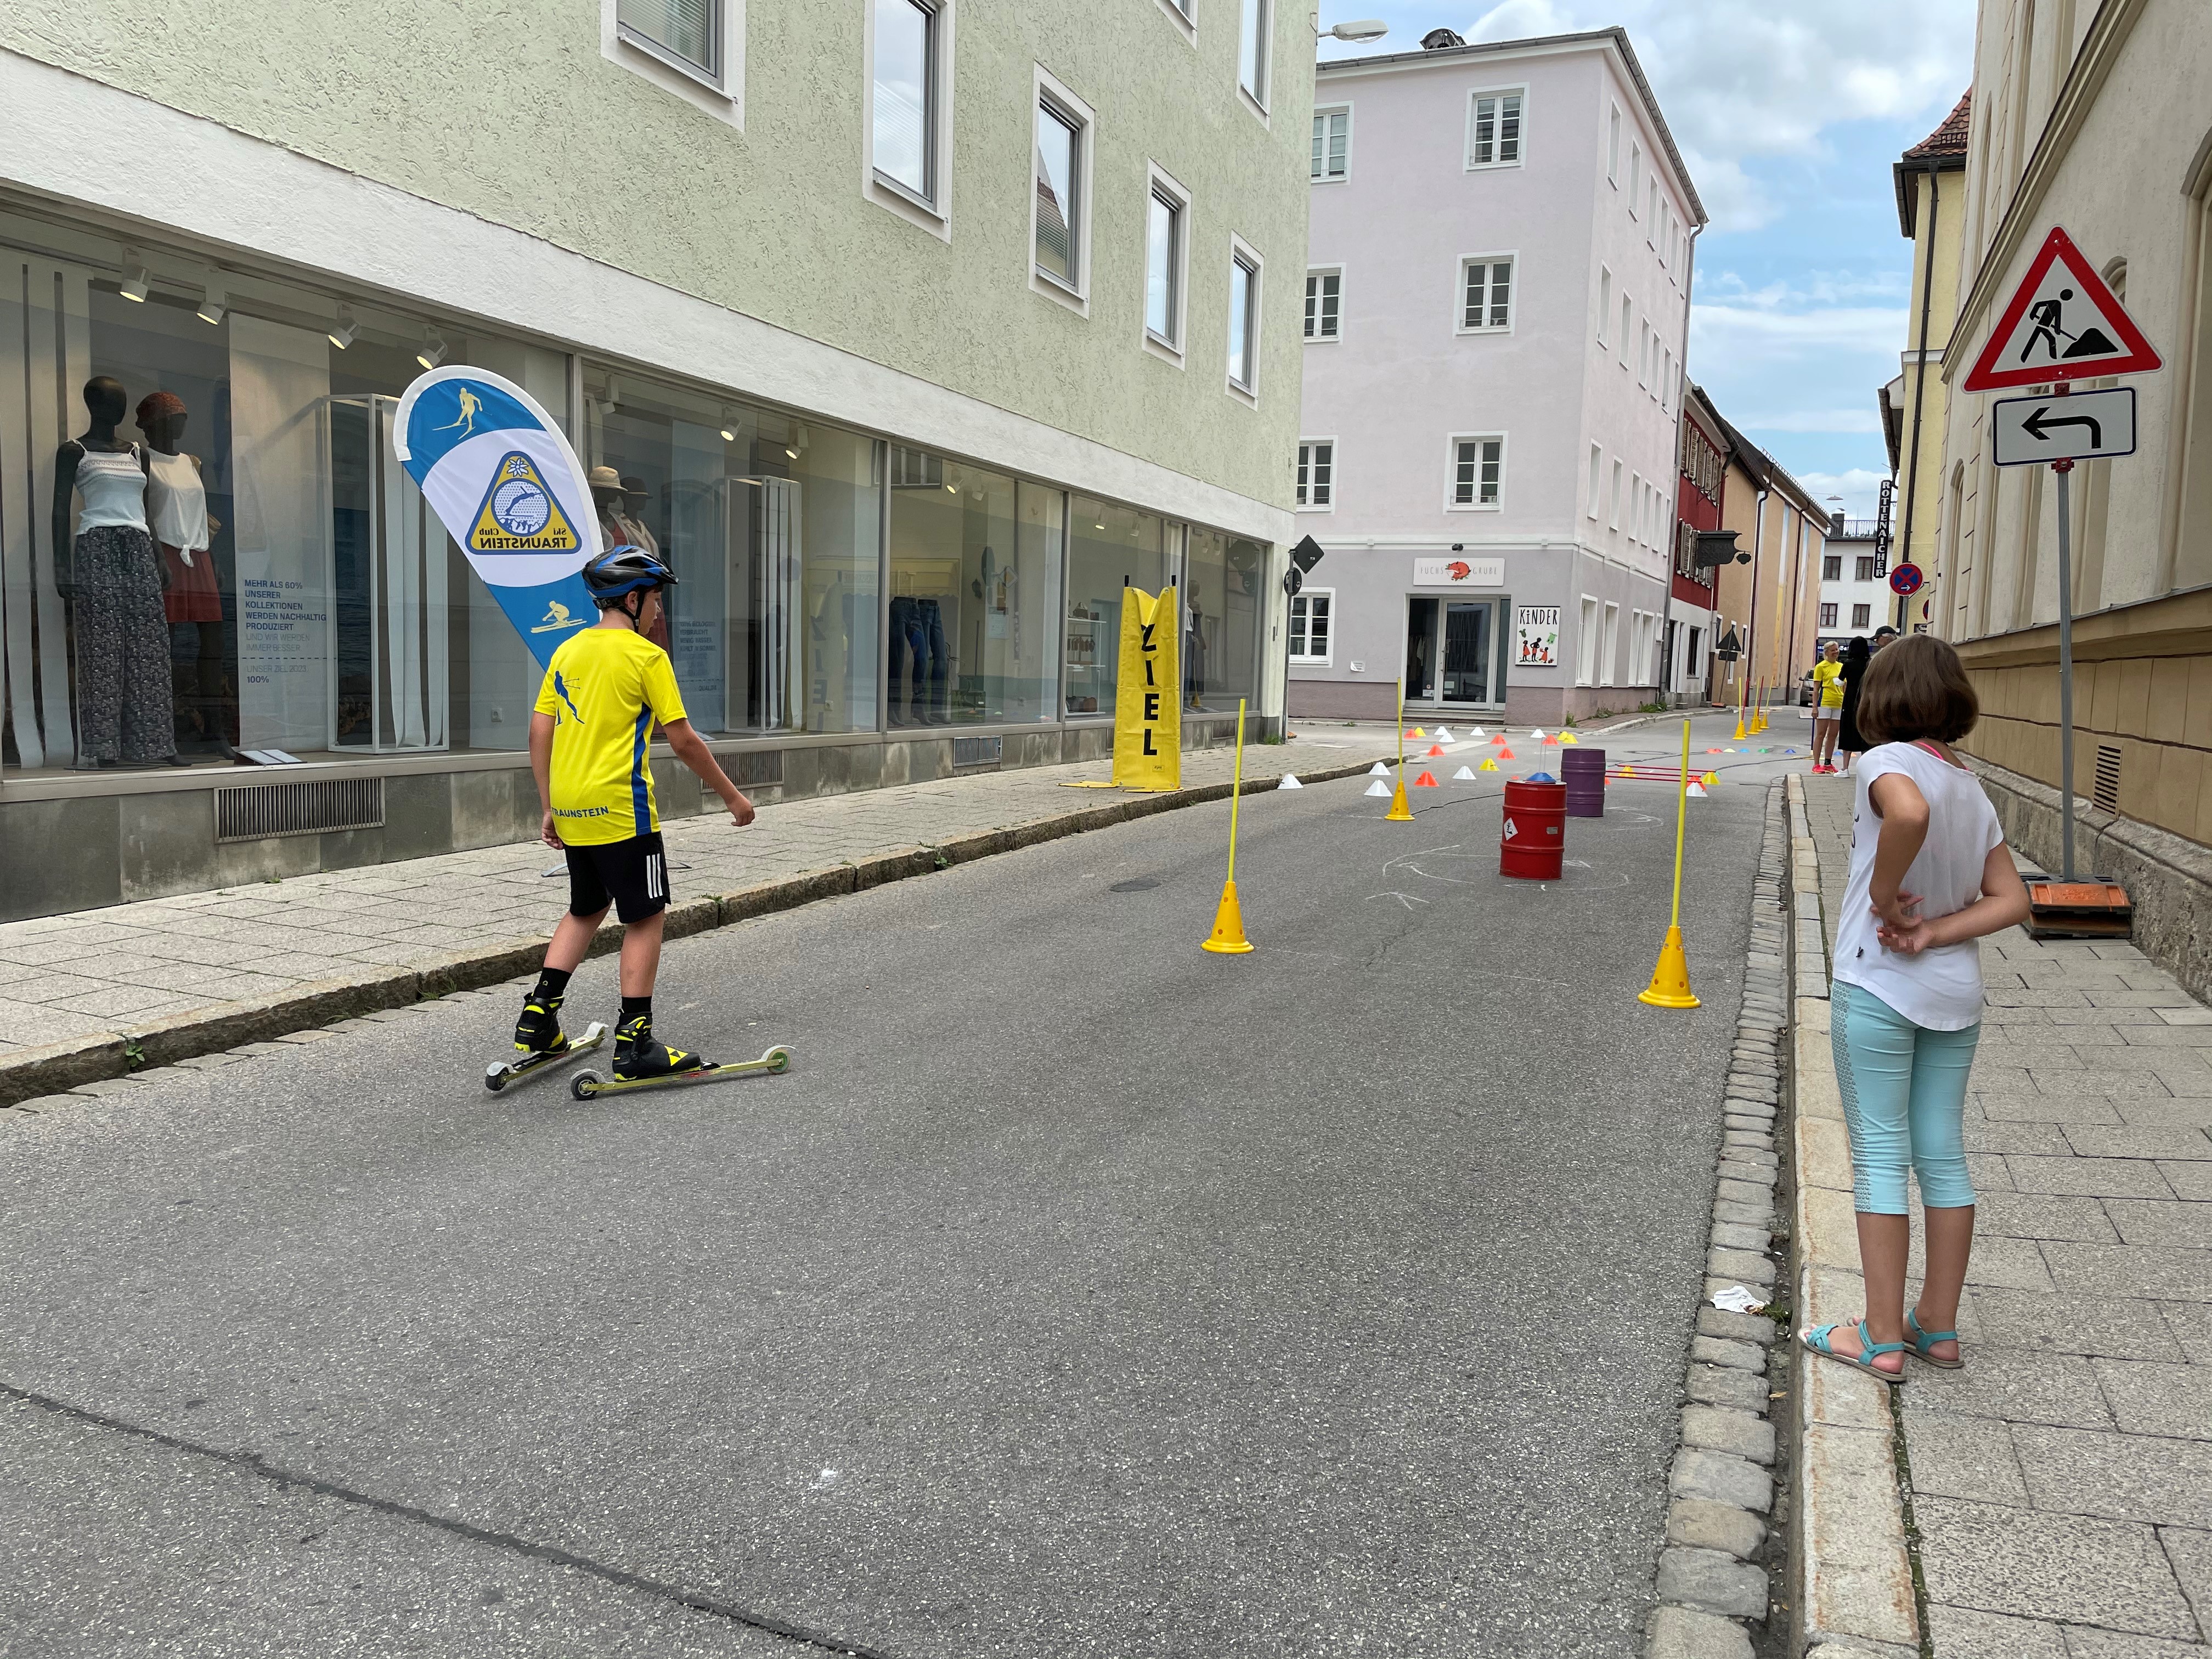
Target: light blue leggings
{"x": 1904, "y": 1103}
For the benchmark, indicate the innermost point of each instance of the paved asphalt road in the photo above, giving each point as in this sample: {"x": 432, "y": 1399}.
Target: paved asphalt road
{"x": 1078, "y": 1293}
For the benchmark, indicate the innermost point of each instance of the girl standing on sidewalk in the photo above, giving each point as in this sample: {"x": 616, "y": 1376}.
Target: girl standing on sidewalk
{"x": 1929, "y": 876}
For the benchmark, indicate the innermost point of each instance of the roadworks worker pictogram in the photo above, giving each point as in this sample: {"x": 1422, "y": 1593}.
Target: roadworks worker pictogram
{"x": 519, "y": 514}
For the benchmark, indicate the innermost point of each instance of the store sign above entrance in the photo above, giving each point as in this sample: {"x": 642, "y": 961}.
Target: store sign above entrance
{"x": 501, "y": 478}
{"x": 1459, "y": 573}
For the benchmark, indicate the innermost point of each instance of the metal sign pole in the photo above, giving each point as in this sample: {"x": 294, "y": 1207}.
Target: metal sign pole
{"x": 2065, "y": 676}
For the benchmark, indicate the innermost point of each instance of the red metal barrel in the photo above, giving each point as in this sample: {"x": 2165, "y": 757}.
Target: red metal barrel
{"x": 1535, "y": 838}
{"x": 1582, "y": 770}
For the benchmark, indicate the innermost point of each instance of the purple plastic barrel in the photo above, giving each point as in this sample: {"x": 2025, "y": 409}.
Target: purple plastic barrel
{"x": 1582, "y": 770}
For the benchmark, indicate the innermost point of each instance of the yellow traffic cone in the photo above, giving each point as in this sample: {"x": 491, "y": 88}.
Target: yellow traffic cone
{"x": 1398, "y": 812}
{"x": 1670, "y": 980}
{"x": 1741, "y": 734}
{"x": 1228, "y": 938}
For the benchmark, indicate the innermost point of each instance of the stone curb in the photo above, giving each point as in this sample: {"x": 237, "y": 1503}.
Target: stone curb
{"x": 64, "y": 1065}
{"x": 1715, "y": 1568}
{"x": 1854, "y": 1568}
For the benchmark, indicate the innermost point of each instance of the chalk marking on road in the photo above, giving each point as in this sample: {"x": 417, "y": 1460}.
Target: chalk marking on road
{"x": 1409, "y": 900}
{"x": 252, "y": 1463}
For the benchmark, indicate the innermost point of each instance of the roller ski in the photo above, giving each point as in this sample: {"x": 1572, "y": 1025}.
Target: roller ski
{"x": 539, "y": 1042}
{"x": 643, "y": 1062}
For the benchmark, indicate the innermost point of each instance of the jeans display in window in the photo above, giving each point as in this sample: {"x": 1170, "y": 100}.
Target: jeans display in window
{"x": 124, "y": 698}
{"x": 921, "y": 667}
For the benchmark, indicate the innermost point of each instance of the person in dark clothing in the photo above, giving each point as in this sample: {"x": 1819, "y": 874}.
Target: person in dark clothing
{"x": 1857, "y": 655}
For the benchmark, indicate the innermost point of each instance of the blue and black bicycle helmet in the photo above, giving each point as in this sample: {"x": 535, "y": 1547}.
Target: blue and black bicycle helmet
{"x": 624, "y": 570}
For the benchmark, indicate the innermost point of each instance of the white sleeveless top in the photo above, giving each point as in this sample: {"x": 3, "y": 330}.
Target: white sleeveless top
{"x": 176, "y": 501}
{"x": 113, "y": 488}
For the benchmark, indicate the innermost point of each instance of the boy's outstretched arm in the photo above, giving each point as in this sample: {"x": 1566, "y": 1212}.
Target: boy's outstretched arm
{"x": 692, "y": 749}
{"x": 541, "y": 767}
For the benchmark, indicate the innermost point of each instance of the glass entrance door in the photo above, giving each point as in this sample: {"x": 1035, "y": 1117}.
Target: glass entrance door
{"x": 1450, "y": 652}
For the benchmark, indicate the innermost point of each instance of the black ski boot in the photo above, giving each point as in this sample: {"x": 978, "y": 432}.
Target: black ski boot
{"x": 637, "y": 1055}
{"x": 539, "y": 1031}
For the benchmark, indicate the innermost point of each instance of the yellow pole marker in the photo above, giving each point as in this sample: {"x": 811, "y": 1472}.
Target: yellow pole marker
{"x": 1400, "y": 813}
{"x": 1228, "y": 937}
{"x": 1670, "y": 980}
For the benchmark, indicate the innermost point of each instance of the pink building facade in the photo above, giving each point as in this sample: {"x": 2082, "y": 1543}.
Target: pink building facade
{"x": 1497, "y": 300}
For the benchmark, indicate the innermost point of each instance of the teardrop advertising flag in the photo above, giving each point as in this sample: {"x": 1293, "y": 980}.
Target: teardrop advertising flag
{"x": 1148, "y": 700}
{"x": 502, "y": 479}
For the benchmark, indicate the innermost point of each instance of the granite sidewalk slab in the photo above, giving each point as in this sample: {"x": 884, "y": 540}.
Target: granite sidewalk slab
{"x": 2061, "y": 1484}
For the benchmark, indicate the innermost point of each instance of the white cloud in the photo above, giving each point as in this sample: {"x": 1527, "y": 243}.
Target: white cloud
{"x": 1729, "y": 333}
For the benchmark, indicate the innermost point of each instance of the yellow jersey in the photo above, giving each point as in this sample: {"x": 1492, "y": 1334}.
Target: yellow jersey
{"x": 605, "y": 690}
{"x": 1829, "y": 677}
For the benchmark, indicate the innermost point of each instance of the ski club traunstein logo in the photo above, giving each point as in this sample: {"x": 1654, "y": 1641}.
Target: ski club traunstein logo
{"x": 519, "y": 514}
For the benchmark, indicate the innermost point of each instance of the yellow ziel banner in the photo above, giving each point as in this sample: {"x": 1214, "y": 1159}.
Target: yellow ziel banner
{"x": 1148, "y": 702}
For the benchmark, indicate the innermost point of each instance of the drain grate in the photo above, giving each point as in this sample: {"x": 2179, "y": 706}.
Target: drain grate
{"x": 262, "y": 812}
{"x": 2105, "y": 790}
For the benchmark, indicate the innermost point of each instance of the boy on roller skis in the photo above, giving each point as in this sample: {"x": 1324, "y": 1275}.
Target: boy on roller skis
{"x": 607, "y": 688}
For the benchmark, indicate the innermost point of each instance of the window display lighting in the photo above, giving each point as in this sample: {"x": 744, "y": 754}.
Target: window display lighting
{"x": 343, "y": 335}
{"x": 434, "y": 349}
{"x": 136, "y": 281}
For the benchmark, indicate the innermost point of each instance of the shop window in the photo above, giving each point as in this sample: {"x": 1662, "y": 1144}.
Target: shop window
{"x": 1108, "y": 548}
{"x": 1221, "y": 599}
{"x": 1310, "y": 625}
{"x": 1493, "y": 130}
{"x": 975, "y": 564}
{"x": 772, "y": 526}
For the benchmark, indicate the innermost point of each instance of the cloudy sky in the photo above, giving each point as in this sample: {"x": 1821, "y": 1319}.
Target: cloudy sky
{"x": 1789, "y": 113}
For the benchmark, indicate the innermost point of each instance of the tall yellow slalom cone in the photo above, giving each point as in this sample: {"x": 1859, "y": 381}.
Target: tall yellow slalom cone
{"x": 1398, "y": 812}
{"x": 1741, "y": 734}
{"x": 1228, "y": 937}
{"x": 1670, "y": 980}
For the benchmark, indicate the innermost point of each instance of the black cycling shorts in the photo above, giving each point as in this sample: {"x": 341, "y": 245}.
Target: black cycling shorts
{"x": 632, "y": 875}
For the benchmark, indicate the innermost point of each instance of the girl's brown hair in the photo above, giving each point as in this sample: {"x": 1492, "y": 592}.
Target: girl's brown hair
{"x": 1915, "y": 688}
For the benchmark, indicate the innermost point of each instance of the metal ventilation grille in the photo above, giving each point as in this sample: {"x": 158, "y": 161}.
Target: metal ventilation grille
{"x": 2106, "y": 791}
{"x": 977, "y": 752}
{"x": 258, "y": 811}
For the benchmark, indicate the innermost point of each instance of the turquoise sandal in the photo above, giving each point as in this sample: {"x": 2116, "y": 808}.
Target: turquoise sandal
{"x": 1924, "y": 1340}
{"x": 1819, "y": 1340}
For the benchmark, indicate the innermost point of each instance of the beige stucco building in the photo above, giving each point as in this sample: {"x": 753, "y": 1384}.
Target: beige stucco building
{"x": 2095, "y": 118}
{"x": 910, "y": 331}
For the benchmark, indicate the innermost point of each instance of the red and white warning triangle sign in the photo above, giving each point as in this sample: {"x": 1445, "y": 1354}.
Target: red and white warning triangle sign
{"x": 2061, "y": 324}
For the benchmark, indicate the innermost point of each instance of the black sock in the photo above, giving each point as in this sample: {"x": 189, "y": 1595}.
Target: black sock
{"x": 552, "y": 986}
{"x": 637, "y": 1008}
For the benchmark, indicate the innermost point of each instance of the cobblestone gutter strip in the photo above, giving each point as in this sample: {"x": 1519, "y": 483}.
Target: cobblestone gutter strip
{"x": 1856, "y": 1590}
{"x": 195, "y": 1032}
{"x": 1714, "y": 1572}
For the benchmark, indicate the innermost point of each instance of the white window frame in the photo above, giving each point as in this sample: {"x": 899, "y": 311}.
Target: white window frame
{"x": 1512, "y": 256}
{"x": 1604, "y": 302}
{"x": 1314, "y": 272}
{"x": 1635, "y": 507}
{"x": 1474, "y": 97}
{"x": 933, "y": 213}
{"x": 1643, "y": 338}
{"x": 1619, "y": 478}
{"x": 721, "y": 93}
{"x": 1242, "y": 252}
{"x": 1627, "y": 316}
{"x": 1651, "y": 217}
{"x": 1309, "y": 463}
{"x": 1327, "y": 597}
{"x": 1613, "y": 147}
{"x": 1609, "y": 642}
{"x": 1255, "y": 98}
{"x": 1047, "y": 89}
{"x": 1321, "y": 112}
{"x": 1635, "y": 175}
{"x": 1596, "y": 481}
{"x": 1163, "y": 184}
{"x": 1452, "y": 502}
{"x": 1179, "y": 14}
{"x": 1586, "y": 640}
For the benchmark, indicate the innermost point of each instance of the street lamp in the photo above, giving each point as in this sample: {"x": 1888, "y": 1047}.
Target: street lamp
{"x": 1359, "y": 33}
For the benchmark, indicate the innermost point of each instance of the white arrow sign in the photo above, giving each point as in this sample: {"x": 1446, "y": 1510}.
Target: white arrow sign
{"x": 2036, "y": 431}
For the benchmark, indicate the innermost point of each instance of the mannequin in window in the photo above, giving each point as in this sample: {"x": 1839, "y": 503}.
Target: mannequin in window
{"x": 106, "y": 566}
{"x": 176, "y": 512}
{"x": 1193, "y": 656}
{"x": 611, "y": 501}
